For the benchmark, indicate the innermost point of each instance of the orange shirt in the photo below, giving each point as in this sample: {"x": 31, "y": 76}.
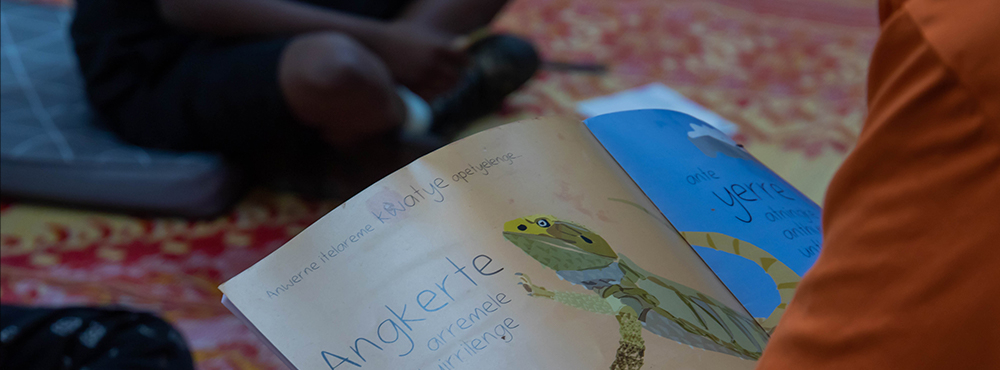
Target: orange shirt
{"x": 909, "y": 277}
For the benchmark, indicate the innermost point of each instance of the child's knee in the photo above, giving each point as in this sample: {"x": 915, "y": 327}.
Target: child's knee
{"x": 335, "y": 65}
{"x": 332, "y": 81}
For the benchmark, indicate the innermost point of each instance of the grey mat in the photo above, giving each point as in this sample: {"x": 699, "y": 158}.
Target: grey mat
{"x": 52, "y": 147}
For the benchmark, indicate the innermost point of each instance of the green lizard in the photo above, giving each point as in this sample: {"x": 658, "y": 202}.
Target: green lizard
{"x": 636, "y": 297}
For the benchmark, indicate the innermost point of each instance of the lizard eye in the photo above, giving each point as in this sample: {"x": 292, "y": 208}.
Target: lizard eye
{"x": 543, "y": 222}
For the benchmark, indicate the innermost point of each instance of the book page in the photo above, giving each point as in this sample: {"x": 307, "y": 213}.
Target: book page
{"x": 522, "y": 247}
{"x": 756, "y": 231}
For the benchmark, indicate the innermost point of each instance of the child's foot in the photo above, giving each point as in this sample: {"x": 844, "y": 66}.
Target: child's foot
{"x": 500, "y": 64}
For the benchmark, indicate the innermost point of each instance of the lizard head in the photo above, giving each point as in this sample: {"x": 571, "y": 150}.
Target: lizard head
{"x": 559, "y": 245}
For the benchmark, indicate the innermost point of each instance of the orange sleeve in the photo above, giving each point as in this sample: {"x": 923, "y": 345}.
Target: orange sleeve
{"x": 909, "y": 275}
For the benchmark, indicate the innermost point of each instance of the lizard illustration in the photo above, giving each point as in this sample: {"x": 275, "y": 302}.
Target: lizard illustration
{"x": 636, "y": 297}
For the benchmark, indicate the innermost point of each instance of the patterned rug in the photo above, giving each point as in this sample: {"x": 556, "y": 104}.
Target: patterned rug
{"x": 789, "y": 73}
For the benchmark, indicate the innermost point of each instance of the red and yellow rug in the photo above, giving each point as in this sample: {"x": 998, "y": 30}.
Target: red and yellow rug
{"x": 791, "y": 74}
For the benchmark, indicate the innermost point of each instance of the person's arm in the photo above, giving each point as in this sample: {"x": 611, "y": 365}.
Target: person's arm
{"x": 909, "y": 264}
{"x": 263, "y": 18}
{"x": 453, "y": 16}
{"x": 416, "y": 56}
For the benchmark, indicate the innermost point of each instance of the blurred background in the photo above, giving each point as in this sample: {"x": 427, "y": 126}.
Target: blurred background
{"x": 789, "y": 74}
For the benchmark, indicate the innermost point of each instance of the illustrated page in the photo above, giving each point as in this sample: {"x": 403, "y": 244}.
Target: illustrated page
{"x": 522, "y": 247}
{"x": 756, "y": 231}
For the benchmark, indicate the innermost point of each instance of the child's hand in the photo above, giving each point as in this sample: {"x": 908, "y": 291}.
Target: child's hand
{"x": 425, "y": 61}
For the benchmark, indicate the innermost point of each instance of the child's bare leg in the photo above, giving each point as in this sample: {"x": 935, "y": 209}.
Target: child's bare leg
{"x": 333, "y": 83}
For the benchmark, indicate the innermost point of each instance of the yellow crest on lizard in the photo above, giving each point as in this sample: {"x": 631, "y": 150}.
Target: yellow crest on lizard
{"x": 559, "y": 245}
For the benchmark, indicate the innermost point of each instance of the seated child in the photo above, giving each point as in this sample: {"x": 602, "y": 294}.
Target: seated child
{"x": 240, "y": 76}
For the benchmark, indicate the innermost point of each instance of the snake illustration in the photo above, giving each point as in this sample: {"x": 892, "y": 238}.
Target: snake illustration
{"x": 637, "y": 298}
{"x": 784, "y": 278}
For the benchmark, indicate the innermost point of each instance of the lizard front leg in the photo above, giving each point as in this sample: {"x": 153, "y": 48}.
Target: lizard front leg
{"x": 533, "y": 290}
{"x": 585, "y": 301}
{"x": 631, "y": 346}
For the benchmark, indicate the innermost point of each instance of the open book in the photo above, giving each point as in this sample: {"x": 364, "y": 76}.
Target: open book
{"x": 641, "y": 239}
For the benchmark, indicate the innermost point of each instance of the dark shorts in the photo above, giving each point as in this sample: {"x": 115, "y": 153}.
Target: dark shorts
{"x": 217, "y": 95}
{"x": 161, "y": 87}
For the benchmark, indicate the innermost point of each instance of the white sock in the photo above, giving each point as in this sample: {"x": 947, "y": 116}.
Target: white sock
{"x": 418, "y": 114}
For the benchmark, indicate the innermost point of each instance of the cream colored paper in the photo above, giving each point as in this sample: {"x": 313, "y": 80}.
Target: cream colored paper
{"x": 429, "y": 240}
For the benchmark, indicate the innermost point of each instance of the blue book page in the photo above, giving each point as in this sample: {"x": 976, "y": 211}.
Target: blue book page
{"x": 753, "y": 229}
